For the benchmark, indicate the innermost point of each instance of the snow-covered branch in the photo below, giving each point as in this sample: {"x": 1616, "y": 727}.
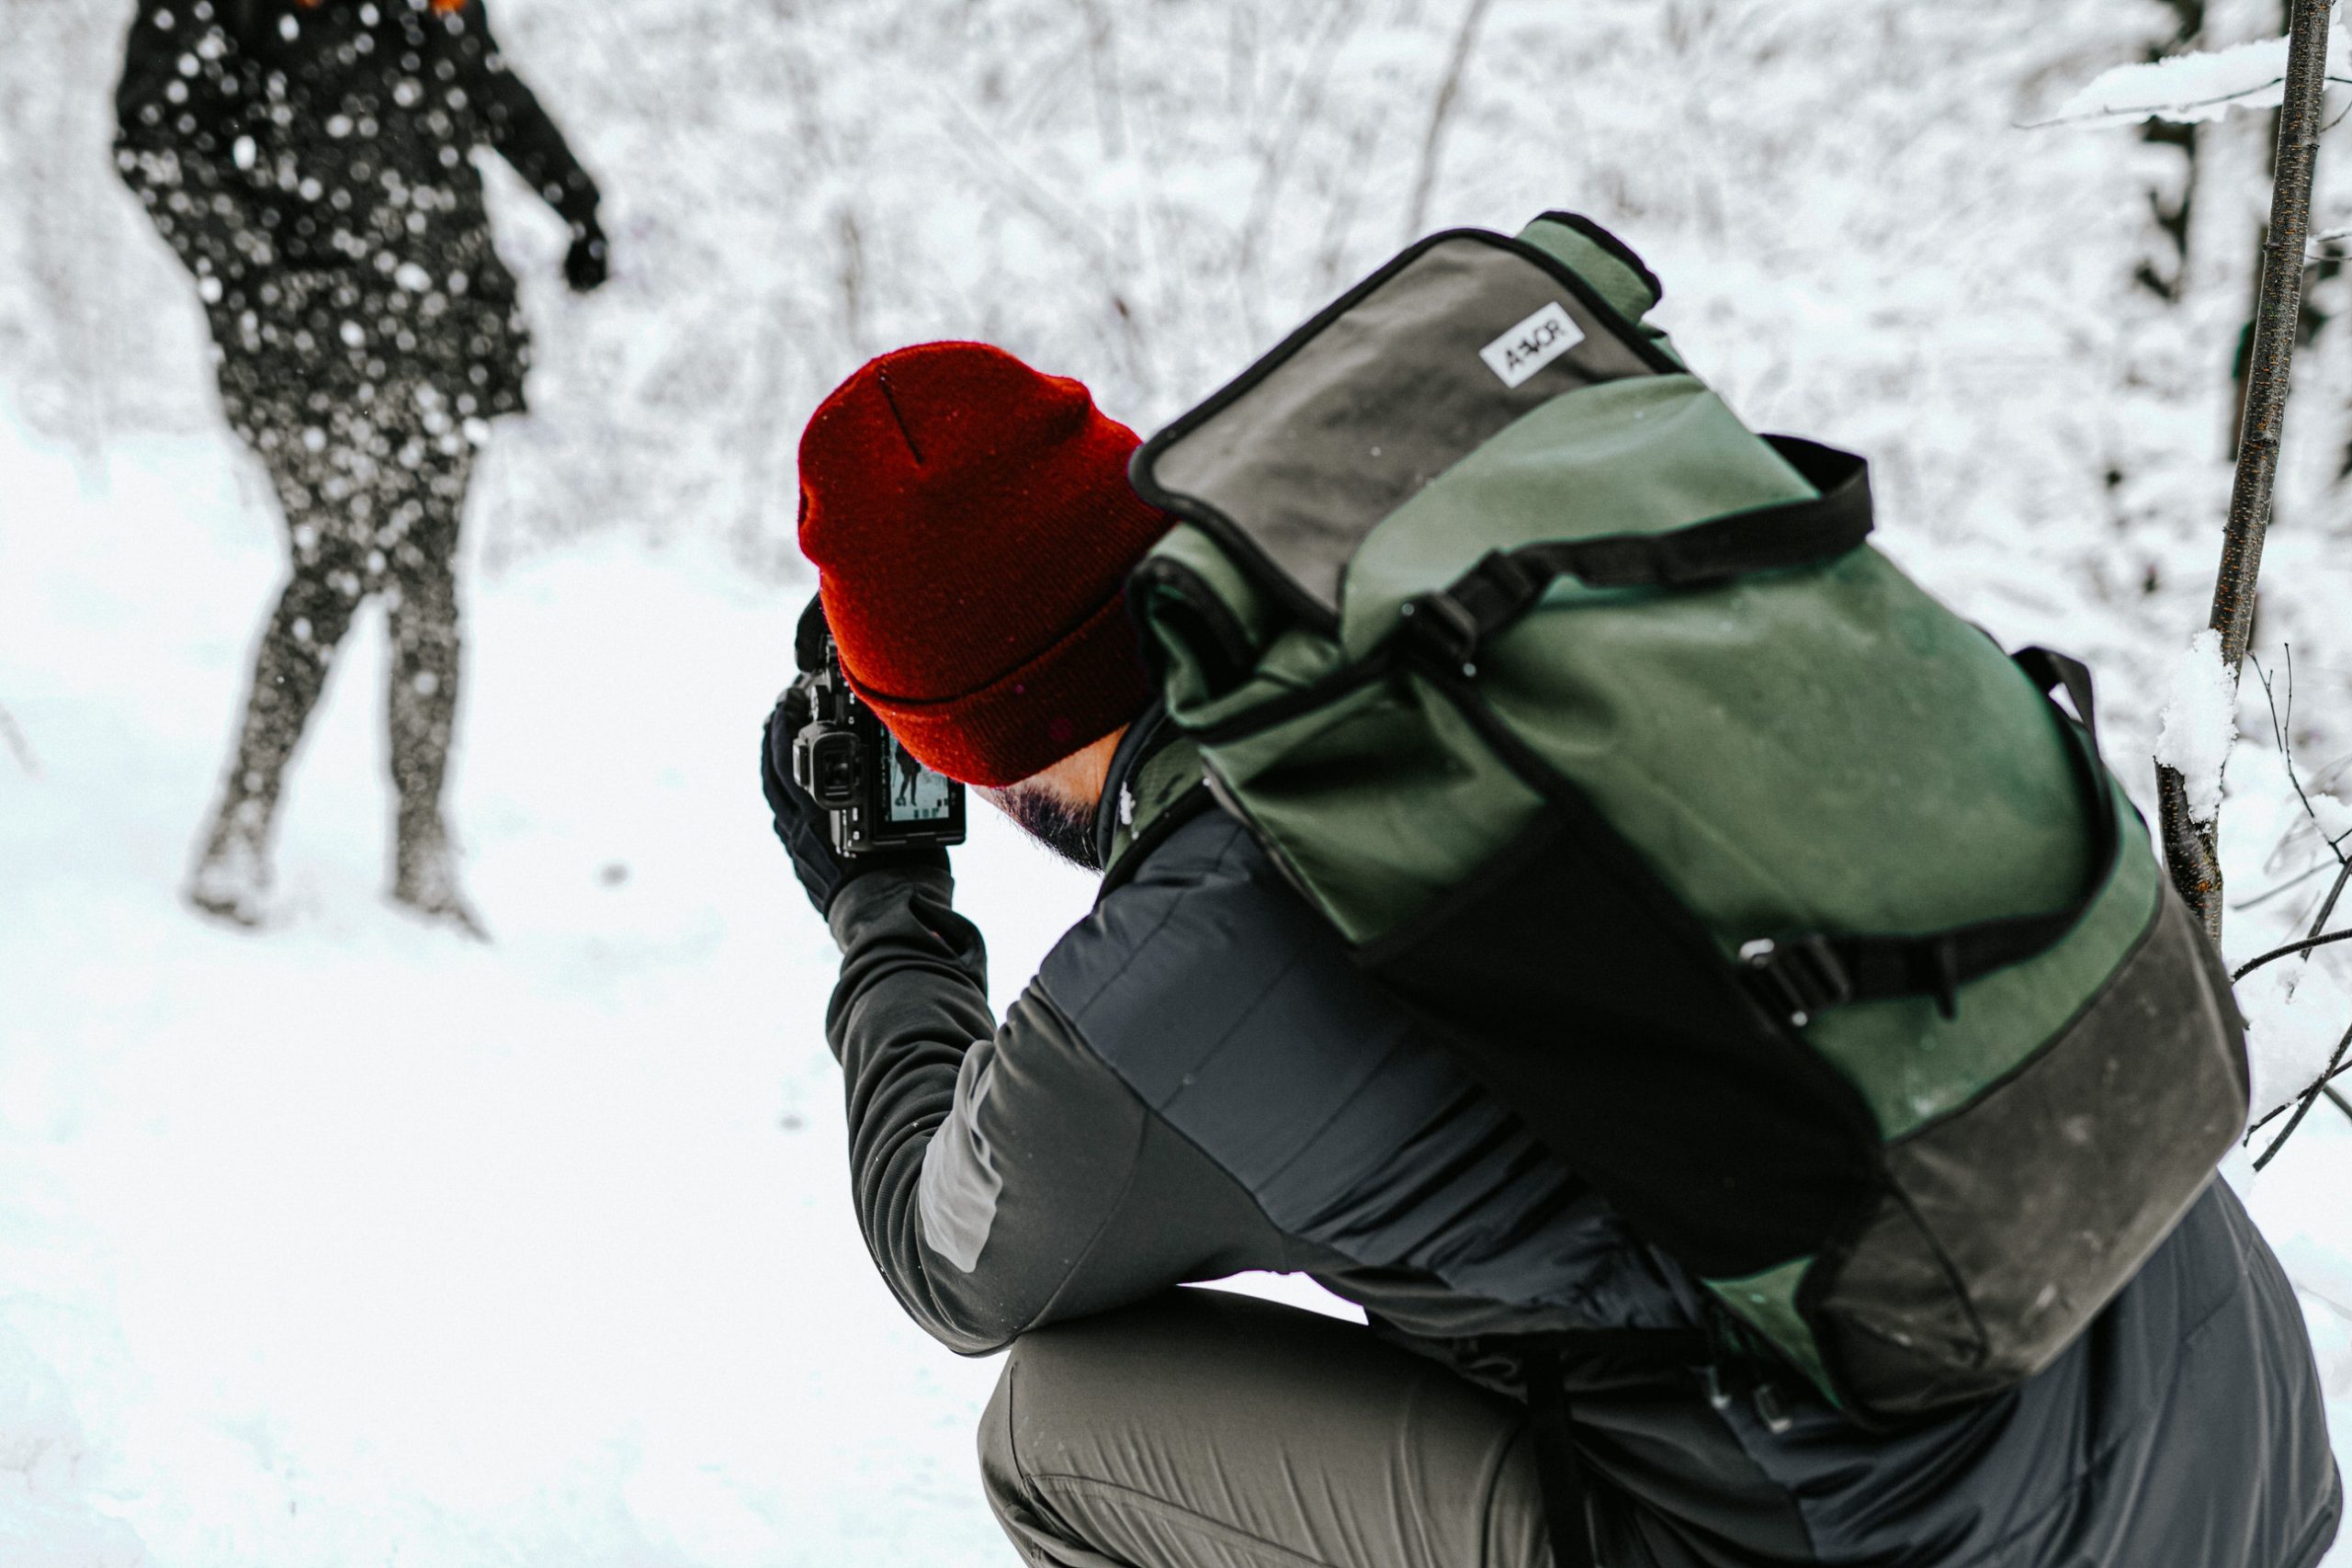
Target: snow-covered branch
{"x": 2186, "y": 89}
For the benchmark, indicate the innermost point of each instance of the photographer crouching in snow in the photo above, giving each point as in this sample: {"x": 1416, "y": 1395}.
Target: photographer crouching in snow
{"x": 1203, "y": 1080}
{"x": 309, "y": 161}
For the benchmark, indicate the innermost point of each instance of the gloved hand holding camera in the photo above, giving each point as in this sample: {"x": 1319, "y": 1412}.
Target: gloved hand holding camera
{"x": 845, "y": 796}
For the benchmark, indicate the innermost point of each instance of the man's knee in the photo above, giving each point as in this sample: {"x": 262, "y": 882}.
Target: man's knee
{"x": 1058, "y": 1381}
{"x": 999, "y": 1472}
{"x": 1009, "y": 1496}
{"x": 1106, "y": 1433}
{"x": 1027, "y": 1393}
{"x": 322, "y": 594}
{"x": 1051, "y": 1417}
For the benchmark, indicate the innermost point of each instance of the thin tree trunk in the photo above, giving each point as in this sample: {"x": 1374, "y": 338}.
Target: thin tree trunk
{"x": 2190, "y": 846}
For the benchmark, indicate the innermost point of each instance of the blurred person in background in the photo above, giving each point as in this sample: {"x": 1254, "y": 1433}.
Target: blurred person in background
{"x": 309, "y": 161}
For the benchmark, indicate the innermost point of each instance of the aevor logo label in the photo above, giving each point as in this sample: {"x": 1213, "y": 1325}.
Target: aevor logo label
{"x": 1531, "y": 345}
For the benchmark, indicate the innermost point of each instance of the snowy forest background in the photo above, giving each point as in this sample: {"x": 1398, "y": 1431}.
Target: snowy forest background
{"x": 348, "y": 1242}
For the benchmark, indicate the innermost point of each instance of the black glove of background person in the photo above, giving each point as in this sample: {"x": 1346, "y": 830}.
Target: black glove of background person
{"x": 586, "y": 264}
{"x": 800, "y": 822}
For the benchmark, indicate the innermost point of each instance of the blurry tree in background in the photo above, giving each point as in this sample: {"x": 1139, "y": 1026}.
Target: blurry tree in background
{"x": 1860, "y": 241}
{"x": 2172, "y": 195}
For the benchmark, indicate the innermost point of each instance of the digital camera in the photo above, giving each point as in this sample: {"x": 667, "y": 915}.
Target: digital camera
{"x": 874, "y": 792}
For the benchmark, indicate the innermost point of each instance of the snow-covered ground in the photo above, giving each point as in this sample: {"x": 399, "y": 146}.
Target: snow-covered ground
{"x": 355, "y": 1242}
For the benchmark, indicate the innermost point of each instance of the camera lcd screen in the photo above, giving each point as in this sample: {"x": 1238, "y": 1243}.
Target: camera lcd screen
{"x": 915, "y": 794}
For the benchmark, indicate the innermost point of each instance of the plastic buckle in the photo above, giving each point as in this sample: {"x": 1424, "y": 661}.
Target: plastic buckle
{"x": 1718, "y": 1393}
{"x": 1943, "y": 976}
{"x": 1445, "y": 624}
{"x": 1799, "y": 978}
{"x": 1451, "y": 621}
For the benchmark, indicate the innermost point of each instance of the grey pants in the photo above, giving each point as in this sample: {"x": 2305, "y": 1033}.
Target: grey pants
{"x": 373, "y": 497}
{"x": 1209, "y": 1430}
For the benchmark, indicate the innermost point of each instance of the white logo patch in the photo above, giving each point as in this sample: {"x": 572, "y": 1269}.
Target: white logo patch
{"x": 1531, "y": 345}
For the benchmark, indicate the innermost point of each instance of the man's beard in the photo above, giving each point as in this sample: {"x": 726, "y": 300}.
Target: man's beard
{"x": 1052, "y": 821}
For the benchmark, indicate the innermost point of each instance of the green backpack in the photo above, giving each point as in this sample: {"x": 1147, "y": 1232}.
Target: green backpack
{"x": 1795, "y": 915}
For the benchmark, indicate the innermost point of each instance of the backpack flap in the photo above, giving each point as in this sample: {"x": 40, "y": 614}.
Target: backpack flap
{"x": 1291, "y": 465}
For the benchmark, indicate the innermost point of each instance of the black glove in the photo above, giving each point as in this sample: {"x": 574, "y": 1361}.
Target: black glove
{"x": 585, "y": 264}
{"x": 800, "y": 822}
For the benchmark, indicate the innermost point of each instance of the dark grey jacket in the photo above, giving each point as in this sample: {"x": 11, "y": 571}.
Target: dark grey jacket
{"x": 1199, "y": 1083}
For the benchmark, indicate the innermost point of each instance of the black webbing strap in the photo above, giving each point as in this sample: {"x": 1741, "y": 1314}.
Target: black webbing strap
{"x": 1797, "y": 977}
{"x": 1506, "y": 584}
{"x": 1558, "y": 1472}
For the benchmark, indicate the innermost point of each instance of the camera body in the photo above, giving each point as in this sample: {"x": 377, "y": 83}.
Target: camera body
{"x": 874, "y": 793}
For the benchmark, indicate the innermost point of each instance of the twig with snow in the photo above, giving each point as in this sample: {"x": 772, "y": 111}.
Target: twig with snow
{"x": 2282, "y": 1010}
{"x": 2187, "y": 88}
{"x": 2288, "y": 950}
{"x": 2312, "y": 253}
{"x": 2309, "y": 1098}
{"x": 2327, "y": 904}
{"x": 2259, "y": 96}
{"x": 2325, "y": 1085}
{"x": 2280, "y": 730}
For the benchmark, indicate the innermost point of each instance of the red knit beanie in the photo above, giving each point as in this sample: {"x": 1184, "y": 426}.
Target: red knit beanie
{"x": 972, "y": 528}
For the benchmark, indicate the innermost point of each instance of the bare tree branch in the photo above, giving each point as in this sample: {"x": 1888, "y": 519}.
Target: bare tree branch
{"x": 2283, "y": 888}
{"x": 2293, "y": 948}
{"x": 1465, "y": 40}
{"x": 2326, "y": 1086}
{"x": 2278, "y": 732}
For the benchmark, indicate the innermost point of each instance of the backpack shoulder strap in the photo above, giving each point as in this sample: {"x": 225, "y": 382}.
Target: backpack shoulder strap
{"x": 1147, "y": 799}
{"x": 1798, "y": 977}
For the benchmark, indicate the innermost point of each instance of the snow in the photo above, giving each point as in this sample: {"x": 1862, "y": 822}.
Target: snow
{"x": 2199, "y": 725}
{"x": 45, "y": 1519}
{"x": 2295, "y": 1014}
{"x": 354, "y": 1243}
{"x": 359, "y": 1240}
{"x": 2332, "y": 816}
{"x": 2184, "y": 88}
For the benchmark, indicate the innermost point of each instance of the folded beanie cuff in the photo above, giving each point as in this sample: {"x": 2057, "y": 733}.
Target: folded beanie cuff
{"x": 1077, "y": 690}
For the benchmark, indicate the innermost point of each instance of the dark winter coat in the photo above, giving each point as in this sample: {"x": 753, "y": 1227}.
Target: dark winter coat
{"x": 1199, "y": 1082}
{"x": 311, "y": 166}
